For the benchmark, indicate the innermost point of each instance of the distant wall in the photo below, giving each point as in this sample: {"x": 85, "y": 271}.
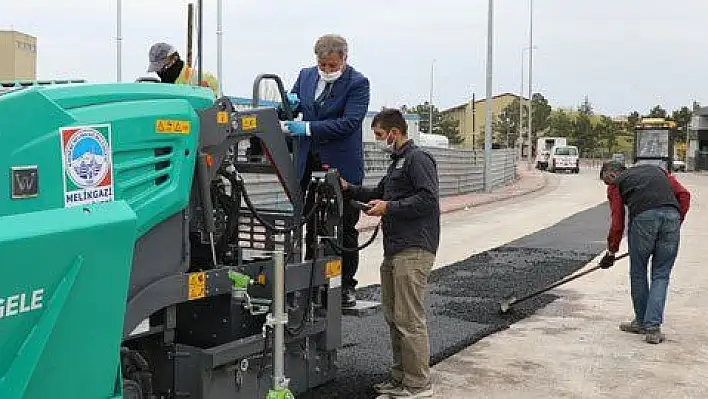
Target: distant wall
{"x": 460, "y": 171}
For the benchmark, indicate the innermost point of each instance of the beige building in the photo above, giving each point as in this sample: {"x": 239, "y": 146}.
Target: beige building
{"x": 18, "y": 56}
{"x": 471, "y": 116}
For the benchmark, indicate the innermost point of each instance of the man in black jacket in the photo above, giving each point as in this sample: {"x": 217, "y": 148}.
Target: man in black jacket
{"x": 407, "y": 200}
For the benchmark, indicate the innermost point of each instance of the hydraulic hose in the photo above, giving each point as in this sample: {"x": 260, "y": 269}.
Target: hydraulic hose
{"x": 343, "y": 249}
{"x": 259, "y": 217}
{"x": 306, "y": 312}
{"x": 235, "y": 179}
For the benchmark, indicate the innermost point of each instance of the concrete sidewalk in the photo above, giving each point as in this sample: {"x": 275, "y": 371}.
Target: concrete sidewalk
{"x": 573, "y": 348}
{"x": 529, "y": 181}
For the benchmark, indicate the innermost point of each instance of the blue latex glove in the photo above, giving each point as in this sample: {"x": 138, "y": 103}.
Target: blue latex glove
{"x": 293, "y": 100}
{"x": 297, "y": 128}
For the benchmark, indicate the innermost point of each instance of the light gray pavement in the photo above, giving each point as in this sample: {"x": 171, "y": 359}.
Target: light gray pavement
{"x": 492, "y": 223}
{"x": 529, "y": 181}
{"x": 573, "y": 348}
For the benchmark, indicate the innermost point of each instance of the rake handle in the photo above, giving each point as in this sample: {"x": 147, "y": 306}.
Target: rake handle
{"x": 566, "y": 280}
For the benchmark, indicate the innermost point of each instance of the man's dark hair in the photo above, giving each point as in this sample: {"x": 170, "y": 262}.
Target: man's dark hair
{"x": 611, "y": 167}
{"x": 389, "y": 118}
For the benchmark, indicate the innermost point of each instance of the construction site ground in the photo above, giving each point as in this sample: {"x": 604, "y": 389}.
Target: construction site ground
{"x": 573, "y": 348}
{"x": 563, "y": 344}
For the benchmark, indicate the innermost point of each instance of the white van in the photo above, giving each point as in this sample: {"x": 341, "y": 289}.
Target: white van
{"x": 543, "y": 149}
{"x": 564, "y": 157}
{"x": 433, "y": 140}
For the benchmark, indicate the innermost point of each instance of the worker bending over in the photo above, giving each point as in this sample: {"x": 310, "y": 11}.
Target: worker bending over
{"x": 657, "y": 205}
{"x": 167, "y": 64}
{"x": 407, "y": 200}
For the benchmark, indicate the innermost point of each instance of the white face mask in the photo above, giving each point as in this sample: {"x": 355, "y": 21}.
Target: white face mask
{"x": 384, "y": 145}
{"x": 330, "y": 77}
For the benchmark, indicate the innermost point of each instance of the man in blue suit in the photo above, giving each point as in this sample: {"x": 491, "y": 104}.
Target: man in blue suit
{"x": 333, "y": 99}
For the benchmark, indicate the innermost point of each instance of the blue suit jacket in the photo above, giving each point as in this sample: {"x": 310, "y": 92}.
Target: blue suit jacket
{"x": 336, "y": 125}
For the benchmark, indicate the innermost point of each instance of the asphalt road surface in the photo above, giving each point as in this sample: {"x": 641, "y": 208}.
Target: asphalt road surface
{"x": 463, "y": 299}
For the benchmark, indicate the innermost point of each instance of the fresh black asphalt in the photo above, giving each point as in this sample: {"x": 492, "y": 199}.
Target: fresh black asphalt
{"x": 463, "y": 299}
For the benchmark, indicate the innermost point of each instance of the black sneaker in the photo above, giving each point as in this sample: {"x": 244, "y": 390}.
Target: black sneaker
{"x": 348, "y": 297}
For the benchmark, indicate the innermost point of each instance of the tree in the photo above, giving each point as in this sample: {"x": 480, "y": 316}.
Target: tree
{"x": 632, "y": 120}
{"x": 560, "y": 124}
{"x": 441, "y": 125}
{"x": 541, "y": 112}
{"x": 505, "y": 128}
{"x": 584, "y": 133}
{"x": 423, "y": 111}
{"x": 506, "y": 124}
{"x": 450, "y": 129}
{"x": 607, "y": 130}
{"x": 508, "y": 120}
{"x": 657, "y": 112}
{"x": 682, "y": 116}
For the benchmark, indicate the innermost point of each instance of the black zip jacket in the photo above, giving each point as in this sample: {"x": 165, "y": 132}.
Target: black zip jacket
{"x": 410, "y": 186}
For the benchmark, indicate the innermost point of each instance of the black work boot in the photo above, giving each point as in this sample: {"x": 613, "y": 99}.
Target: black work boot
{"x": 654, "y": 335}
{"x": 348, "y": 297}
{"x": 633, "y": 327}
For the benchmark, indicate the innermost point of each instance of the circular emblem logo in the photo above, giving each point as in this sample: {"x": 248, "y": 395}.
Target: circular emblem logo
{"x": 87, "y": 158}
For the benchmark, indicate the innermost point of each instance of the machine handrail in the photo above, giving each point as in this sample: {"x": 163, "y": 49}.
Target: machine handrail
{"x": 281, "y": 89}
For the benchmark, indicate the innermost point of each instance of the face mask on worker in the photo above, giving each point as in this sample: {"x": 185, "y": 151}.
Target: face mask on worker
{"x": 331, "y": 76}
{"x": 171, "y": 73}
{"x": 384, "y": 144}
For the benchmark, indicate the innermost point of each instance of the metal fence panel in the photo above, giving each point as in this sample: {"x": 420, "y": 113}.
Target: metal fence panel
{"x": 460, "y": 171}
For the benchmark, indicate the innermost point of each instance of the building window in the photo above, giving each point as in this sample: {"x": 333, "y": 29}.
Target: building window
{"x": 26, "y": 46}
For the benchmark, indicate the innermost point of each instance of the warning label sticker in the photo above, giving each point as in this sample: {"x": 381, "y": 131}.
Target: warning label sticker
{"x": 174, "y": 127}
{"x": 197, "y": 286}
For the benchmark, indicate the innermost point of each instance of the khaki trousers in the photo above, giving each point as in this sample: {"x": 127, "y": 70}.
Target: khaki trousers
{"x": 404, "y": 278}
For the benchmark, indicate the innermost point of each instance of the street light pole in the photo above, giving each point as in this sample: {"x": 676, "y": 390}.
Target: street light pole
{"x": 119, "y": 39}
{"x": 488, "y": 105}
{"x": 520, "y": 138}
{"x": 219, "y": 47}
{"x": 521, "y": 106}
{"x": 530, "y": 132}
{"x": 430, "y": 100}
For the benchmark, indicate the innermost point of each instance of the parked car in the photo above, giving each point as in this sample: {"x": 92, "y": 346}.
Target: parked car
{"x": 564, "y": 157}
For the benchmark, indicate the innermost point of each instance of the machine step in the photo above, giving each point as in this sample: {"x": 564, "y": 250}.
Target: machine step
{"x": 362, "y": 308}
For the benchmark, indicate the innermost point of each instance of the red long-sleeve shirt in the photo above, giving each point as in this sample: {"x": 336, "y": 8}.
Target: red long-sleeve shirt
{"x": 614, "y": 237}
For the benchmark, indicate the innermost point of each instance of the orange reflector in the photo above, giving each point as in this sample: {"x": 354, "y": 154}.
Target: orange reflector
{"x": 333, "y": 268}
{"x": 261, "y": 279}
{"x": 209, "y": 160}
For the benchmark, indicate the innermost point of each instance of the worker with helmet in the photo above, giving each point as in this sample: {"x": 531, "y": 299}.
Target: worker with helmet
{"x": 166, "y": 62}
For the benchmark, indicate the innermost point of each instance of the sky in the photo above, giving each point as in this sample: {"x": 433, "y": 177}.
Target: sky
{"x": 624, "y": 55}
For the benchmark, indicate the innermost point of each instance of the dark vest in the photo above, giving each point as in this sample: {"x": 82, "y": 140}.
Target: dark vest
{"x": 645, "y": 187}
